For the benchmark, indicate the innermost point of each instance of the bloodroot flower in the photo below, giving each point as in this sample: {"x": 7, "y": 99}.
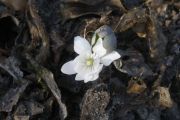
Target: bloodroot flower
{"x": 90, "y": 60}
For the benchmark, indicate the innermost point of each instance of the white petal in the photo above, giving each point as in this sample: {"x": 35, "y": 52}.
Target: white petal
{"x": 109, "y": 38}
{"x": 94, "y": 74}
{"x": 110, "y": 43}
{"x": 109, "y": 58}
{"x": 68, "y": 68}
{"x": 91, "y": 77}
{"x": 98, "y": 48}
{"x": 104, "y": 31}
{"x": 97, "y": 68}
{"x": 80, "y": 63}
{"x": 79, "y": 77}
{"x": 81, "y": 45}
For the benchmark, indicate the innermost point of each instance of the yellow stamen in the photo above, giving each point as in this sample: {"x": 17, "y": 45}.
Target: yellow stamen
{"x": 89, "y": 62}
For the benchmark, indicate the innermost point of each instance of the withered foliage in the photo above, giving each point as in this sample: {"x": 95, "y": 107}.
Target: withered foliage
{"x": 37, "y": 38}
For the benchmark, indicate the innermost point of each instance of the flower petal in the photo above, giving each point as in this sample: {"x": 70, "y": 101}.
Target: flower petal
{"x": 97, "y": 67}
{"x": 68, "y": 68}
{"x": 91, "y": 77}
{"x": 80, "y": 63}
{"x": 108, "y": 36}
{"x": 94, "y": 74}
{"x": 79, "y": 77}
{"x": 109, "y": 58}
{"x": 110, "y": 43}
{"x": 81, "y": 45}
{"x": 98, "y": 48}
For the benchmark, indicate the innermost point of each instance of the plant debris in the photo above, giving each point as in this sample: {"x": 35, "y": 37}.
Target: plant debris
{"x": 37, "y": 39}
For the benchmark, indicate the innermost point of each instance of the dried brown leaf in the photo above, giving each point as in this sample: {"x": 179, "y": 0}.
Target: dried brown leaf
{"x": 38, "y": 32}
{"x": 155, "y": 38}
{"x": 164, "y": 97}
{"x": 136, "y": 87}
{"x": 15, "y": 4}
{"x": 48, "y": 77}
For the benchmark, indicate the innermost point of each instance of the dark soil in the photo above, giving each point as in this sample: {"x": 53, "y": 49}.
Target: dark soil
{"x": 37, "y": 39}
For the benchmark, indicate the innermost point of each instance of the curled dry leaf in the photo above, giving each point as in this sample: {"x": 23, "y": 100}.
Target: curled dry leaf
{"x": 15, "y": 4}
{"x": 139, "y": 28}
{"x": 132, "y": 17}
{"x": 75, "y": 10}
{"x": 38, "y": 32}
{"x": 164, "y": 97}
{"x": 132, "y": 63}
{"x": 145, "y": 24}
{"x": 155, "y": 39}
{"x": 71, "y": 9}
{"x": 136, "y": 87}
{"x": 48, "y": 77}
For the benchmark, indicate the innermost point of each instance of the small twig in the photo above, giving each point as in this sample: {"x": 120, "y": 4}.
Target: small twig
{"x": 118, "y": 24}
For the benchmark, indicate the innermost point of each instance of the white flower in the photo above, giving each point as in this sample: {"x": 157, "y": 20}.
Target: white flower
{"x": 108, "y": 37}
{"x": 106, "y": 57}
{"x": 89, "y": 62}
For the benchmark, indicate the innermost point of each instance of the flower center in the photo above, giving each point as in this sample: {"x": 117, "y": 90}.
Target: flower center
{"x": 89, "y": 61}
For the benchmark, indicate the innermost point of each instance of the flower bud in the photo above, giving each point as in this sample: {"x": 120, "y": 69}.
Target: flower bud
{"x": 108, "y": 37}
